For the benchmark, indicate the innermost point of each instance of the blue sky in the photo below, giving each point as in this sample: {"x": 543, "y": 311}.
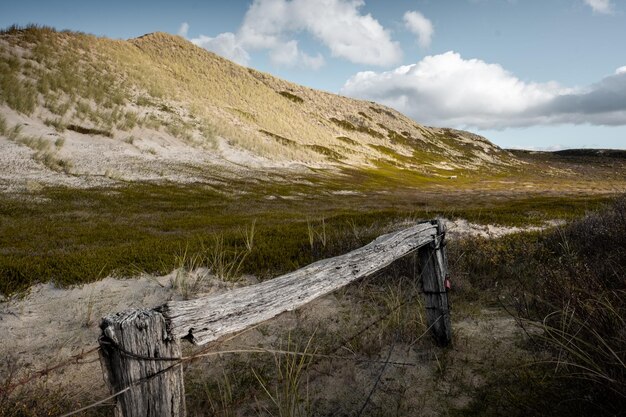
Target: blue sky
{"x": 524, "y": 73}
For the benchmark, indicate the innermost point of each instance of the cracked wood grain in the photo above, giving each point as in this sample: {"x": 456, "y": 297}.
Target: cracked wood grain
{"x": 209, "y": 318}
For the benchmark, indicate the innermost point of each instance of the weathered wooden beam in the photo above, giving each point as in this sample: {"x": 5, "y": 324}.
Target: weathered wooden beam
{"x": 434, "y": 270}
{"x": 138, "y": 357}
{"x": 208, "y": 318}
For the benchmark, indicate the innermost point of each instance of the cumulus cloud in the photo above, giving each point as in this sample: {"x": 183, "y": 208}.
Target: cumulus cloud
{"x": 600, "y": 6}
{"x": 289, "y": 55}
{"x": 337, "y": 24}
{"x": 449, "y": 90}
{"x": 420, "y": 26}
{"x": 225, "y": 44}
{"x": 184, "y": 29}
{"x": 602, "y": 103}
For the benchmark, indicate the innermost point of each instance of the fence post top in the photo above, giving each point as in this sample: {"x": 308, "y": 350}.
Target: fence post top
{"x": 440, "y": 224}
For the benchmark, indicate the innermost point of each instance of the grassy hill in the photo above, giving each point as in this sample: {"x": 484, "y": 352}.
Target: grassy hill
{"x": 146, "y": 95}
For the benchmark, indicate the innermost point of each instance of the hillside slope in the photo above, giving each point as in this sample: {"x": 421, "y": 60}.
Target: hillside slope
{"x": 81, "y": 110}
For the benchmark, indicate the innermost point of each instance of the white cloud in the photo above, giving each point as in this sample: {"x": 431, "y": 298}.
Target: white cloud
{"x": 446, "y": 89}
{"x": 347, "y": 33}
{"x": 264, "y": 23}
{"x": 419, "y": 25}
{"x": 338, "y": 24}
{"x": 289, "y": 55}
{"x": 449, "y": 90}
{"x": 225, "y": 44}
{"x": 621, "y": 70}
{"x": 184, "y": 29}
{"x": 313, "y": 62}
{"x": 600, "y": 6}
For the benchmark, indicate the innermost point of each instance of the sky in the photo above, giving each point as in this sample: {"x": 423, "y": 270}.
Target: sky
{"x": 532, "y": 74}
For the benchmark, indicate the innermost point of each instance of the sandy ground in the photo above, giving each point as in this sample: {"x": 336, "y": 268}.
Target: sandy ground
{"x": 102, "y": 161}
{"x": 461, "y": 227}
{"x": 50, "y": 324}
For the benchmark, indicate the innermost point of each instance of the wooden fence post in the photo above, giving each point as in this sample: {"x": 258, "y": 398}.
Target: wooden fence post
{"x": 140, "y": 349}
{"x": 138, "y": 356}
{"x": 434, "y": 270}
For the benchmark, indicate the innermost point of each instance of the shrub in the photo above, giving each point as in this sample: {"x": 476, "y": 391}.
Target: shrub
{"x": 568, "y": 289}
{"x": 292, "y": 97}
{"x": 579, "y": 303}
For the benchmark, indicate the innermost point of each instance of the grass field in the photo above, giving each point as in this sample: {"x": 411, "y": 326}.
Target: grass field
{"x": 564, "y": 285}
{"x": 282, "y": 222}
{"x": 74, "y": 236}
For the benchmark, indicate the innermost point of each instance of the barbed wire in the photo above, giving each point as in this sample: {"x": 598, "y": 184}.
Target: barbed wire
{"x": 183, "y": 359}
{"x": 380, "y": 375}
{"x": 72, "y": 360}
{"x": 176, "y": 361}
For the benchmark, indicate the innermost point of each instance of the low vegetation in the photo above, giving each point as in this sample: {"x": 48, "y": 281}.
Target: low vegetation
{"x": 293, "y": 97}
{"x": 137, "y": 228}
{"x": 357, "y": 126}
{"x": 567, "y": 288}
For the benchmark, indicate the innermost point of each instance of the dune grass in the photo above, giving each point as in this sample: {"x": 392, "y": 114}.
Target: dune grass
{"x": 163, "y": 82}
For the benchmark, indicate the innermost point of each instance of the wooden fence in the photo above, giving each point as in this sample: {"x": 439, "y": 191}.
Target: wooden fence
{"x": 140, "y": 349}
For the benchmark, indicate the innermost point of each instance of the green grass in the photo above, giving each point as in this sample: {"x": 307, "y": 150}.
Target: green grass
{"x": 394, "y": 155}
{"x": 74, "y": 236}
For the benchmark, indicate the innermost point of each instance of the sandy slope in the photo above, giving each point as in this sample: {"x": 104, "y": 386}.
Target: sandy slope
{"x": 97, "y": 160}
